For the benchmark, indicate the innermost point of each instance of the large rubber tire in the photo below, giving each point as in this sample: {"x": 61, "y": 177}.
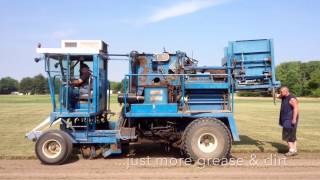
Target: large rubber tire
{"x": 207, "y": 140}
{"x": 68, "y": 140}
{"x": 47, "y": 144}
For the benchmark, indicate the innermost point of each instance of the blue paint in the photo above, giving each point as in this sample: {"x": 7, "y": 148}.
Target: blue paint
{"x": 154, "y": 108}
{"x": 156, "y": 95}
{"x": 252, "y": 62}
{"x": 173, "y": 86}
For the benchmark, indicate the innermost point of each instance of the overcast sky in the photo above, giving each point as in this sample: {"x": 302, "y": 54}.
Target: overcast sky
{"x": 198, "y": 27}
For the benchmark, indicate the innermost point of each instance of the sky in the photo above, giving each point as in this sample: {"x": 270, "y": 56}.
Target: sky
{"x": 201, "y": 28}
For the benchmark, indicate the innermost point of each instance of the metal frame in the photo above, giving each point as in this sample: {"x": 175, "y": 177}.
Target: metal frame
{"x": 112, "y": 136}
{"x": 183, "y": 114}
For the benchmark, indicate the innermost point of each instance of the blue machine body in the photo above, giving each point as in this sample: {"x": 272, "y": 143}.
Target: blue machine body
{"x": 202, "y": 91}
{"x": 172, "y": 85}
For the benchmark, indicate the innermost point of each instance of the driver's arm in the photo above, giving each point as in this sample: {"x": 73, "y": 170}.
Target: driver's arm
{"x": 77, "y": 82}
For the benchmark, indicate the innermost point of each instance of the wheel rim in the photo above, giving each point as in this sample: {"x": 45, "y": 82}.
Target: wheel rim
{"x": 207, "y": 142}
{"x": 51, "y": 148}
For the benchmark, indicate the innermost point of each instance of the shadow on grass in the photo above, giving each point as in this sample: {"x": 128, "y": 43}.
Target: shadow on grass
{"x": 246, "y": 140}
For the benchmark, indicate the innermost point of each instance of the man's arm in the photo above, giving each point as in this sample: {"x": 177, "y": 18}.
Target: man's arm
{"x": 77, "y": 82}
{"x": 294, "y": 103}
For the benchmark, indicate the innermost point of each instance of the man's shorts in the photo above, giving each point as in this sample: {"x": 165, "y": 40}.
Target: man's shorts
{"x": 289, "y": 134}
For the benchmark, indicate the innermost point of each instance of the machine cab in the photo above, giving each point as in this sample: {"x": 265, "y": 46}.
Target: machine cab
{"x": 77, "y": 77}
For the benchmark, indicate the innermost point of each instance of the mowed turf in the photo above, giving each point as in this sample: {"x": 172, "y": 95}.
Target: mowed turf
{"x": 256, "y": 119}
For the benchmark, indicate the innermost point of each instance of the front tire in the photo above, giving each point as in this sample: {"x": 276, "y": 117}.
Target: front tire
{"x": 53, "y": 147}
{"x": 207, "y": 140}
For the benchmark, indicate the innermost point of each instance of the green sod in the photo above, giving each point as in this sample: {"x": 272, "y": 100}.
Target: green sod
{"x": 256, "y": 119}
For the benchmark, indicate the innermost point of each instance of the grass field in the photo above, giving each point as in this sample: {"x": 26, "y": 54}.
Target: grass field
{"x": 256, "y": 118}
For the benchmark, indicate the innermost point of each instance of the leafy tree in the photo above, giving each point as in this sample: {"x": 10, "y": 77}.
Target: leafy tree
{"x": 114, "y": 86}
{"x": 290, "y": 75}
{"x": 40, "y": 84}
{"x": 303, "y": 79}
{"x": 8, "y": 85}
{"x": 26, "y": 85}
{"x": 121, "y": 85}
{"x": 313, "y": 83}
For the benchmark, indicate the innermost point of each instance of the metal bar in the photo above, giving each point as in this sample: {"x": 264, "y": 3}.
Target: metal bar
{"x": 247, "y": 53}
{"x": 126, "y": 55}
{"x": 177, "y": 74}
{"x": 60, "y": 96}
{"x": 232, "y": 92}
{"x": 107, "y": 86}
{"x": 53, "y": 102}
{"x": 183, "y": 93}
{"x": 118, "y": 59}
{"x": 108, "y": 91}
{"x": 89, "y": 95}
{"x": 252, "y": 66}
{"x": 252, "y": 61}
{"x": 68, "y": 79}
{"x": 79, "y": 126}
{"x": 206, "y": 68}
{"x": 125, "y": 94}
{"x": 95, "y": 83}
{"x": 272, "y": 63}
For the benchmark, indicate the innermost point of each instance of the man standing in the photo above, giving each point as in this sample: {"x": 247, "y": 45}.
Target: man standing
{"x": 289, "y": 120}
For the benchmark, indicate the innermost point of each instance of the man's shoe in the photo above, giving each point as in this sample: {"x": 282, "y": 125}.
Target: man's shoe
{"x": 291, "y": 153}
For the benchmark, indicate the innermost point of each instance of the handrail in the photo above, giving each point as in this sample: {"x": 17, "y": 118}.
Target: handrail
{"x": 89, "y": 93}
{"x": 177, "y": 75}
{"x": 61, "y": 92}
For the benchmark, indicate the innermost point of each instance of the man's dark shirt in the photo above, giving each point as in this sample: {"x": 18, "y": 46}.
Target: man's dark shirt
{"x": 286, "y": 112}
{"x": 85, "y": 75}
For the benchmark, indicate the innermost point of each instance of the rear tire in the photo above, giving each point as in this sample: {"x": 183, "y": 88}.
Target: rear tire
{"x": 207, "y": 140}
{"x": 53, "y": 147}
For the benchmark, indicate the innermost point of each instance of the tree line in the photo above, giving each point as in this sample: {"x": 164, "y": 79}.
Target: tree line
{"x": 302, "y": 78}
{"x": 27, "y": 85}
{"x": 37, "y": 85}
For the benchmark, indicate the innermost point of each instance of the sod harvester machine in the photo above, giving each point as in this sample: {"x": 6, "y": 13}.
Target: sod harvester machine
{"x": 167, "y": 98}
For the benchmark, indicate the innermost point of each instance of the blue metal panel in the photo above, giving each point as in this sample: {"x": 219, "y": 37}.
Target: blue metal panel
{"x": 152, "y": 114}
{"x": 208, "y": 100}
{"x": 98, "y": 136}
{"x": 205, "y": 85}
{"x": 233, "y": 128}
{"x": 154, "y": 108}
{"x": 252, "y": 63}
{"x": 156, "y": 95}
{"x": 96, "y": 80}
{"x": 251, "y": 46}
